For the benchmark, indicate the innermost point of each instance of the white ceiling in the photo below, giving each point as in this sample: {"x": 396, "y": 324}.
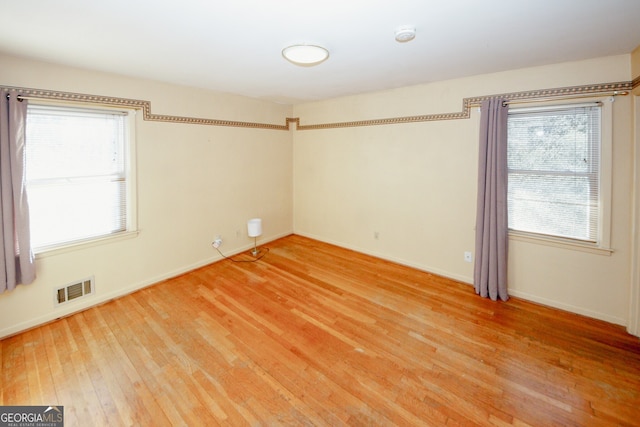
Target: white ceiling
{"x": 235, "y": 45}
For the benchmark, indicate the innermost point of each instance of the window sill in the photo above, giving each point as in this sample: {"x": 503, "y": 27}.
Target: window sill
{"x": 84, "y": 244}
{"x": 559, "y": 243}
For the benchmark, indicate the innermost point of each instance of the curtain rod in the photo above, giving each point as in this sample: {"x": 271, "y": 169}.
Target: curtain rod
{"x": 598, "y": 95}
{"x": 80, "y": 99}
{"x": 21, "y": 98}
{"x": 473, "y": 104}
{"x": 525, "y": 100}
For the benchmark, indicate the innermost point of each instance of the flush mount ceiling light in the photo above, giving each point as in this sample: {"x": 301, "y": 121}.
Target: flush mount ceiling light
{"x": 305, "y": 55}
{"x": 405, "y": 34}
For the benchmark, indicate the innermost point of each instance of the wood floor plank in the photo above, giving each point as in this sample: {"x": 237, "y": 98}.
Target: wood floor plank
{"x": 313, "y": 334}
{"x": 15, "y": 379}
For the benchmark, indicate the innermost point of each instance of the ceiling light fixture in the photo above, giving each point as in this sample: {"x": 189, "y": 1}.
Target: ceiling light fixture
{"x": 405, "y": 34}
{"x": 305, "y": 55}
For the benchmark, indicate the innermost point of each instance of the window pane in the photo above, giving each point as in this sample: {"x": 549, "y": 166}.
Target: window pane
{"x": 75, "y": 211}
{"x": 552, "y": 141}
{"x": 554, "y": 164}
{"x": 70, "y": 143}
{"x": 553, "y": 205}
{"x": 75, "y": 167}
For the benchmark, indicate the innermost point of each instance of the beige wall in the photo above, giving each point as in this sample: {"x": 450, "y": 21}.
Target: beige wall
{"x": 634, "y": 296}
{"x": 194, "y": 182}
{"x": 414, "y": 185}
{"x": 635, "y": 63}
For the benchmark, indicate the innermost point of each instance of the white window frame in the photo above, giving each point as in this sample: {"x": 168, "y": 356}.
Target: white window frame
{"x": 131, "y": 229}
{"x": 603, "y": 244}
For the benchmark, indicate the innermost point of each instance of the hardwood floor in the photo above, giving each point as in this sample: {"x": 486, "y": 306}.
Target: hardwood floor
{"x": 313, "y": 334}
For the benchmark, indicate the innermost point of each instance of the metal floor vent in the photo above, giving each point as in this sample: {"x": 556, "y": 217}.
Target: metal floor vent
{"x": 74, "y": 290}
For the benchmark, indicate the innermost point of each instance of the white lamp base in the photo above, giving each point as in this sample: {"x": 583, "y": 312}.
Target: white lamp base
{"x": 255, "y": 251}
{"x": 254, "y": 229}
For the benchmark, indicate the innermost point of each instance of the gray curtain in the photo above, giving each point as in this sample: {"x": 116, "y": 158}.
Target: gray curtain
{"x": 16, "y": 257}
{"x": 490, "y": 269}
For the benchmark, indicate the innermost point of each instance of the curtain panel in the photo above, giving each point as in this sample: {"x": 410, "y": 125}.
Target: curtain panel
{"x": 17, "y": 264}
{"x": 490, "y": 269}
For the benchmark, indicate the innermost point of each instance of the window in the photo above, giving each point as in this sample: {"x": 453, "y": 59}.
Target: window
{"x": 79, "y": 179}
{"x": 555, "y": 163}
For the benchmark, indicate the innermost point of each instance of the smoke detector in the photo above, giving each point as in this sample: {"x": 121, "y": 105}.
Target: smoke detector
{"x": 405, "y": 33}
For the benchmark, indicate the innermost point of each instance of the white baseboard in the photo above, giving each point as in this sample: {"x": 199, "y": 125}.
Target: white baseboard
{"x": 106, "y": 297}
{"x": 568, "y": 307}
{"x": 425, "y": 268}
{"x": 101, "y": 298}
{"x": 469, "y": 280}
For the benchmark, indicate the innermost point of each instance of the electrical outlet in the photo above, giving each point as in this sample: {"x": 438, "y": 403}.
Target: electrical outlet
{"x": 376, "y": 235}
{"x": 217, "y": 242}
{"x": 468, "y": 257}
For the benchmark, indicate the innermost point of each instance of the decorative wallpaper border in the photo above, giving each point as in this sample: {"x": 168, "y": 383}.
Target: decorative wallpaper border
{"x": 137, "y": 104}
{"x": 467, "y": 104}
